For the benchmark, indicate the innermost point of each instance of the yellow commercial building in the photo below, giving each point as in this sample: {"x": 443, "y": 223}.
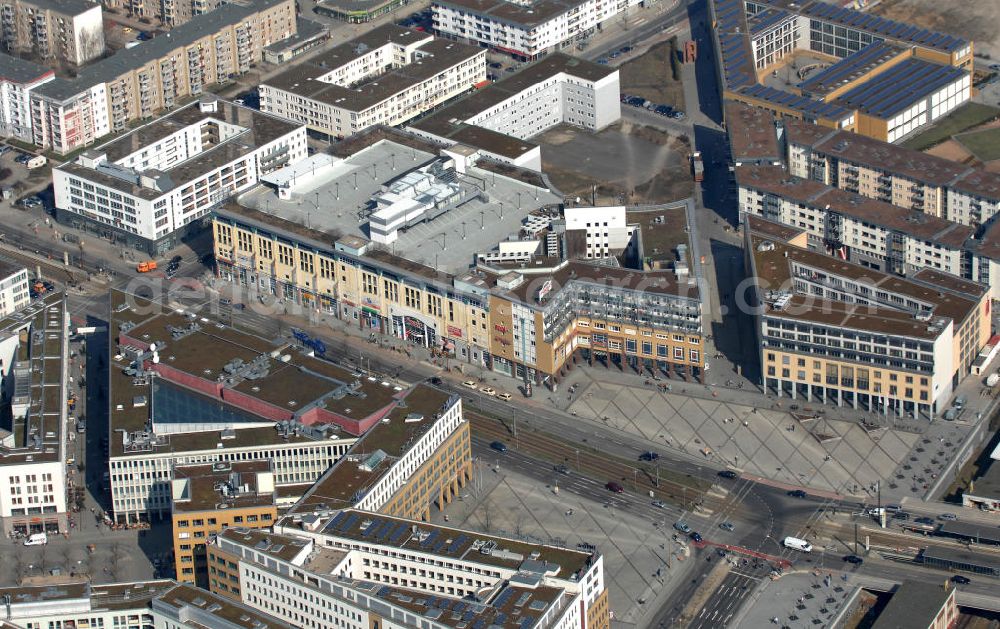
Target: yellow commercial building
{"x": 209, "y": 498}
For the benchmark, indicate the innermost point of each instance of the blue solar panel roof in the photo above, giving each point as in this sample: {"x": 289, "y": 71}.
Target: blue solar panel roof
{"x": 810, "y": 109}
{"x": 882, "y": 26}
{"x": 900, "y": 87}
{"x": 858, "y": 63}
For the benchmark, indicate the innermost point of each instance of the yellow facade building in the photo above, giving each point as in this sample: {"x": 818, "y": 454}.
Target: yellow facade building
{"x": 211, "y": 497}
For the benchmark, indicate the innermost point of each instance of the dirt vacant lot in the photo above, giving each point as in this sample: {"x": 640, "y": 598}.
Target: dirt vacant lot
{"x": 649, "y": 76}
{"x": 628, "y": 163}
{"x": 975, "y": 19}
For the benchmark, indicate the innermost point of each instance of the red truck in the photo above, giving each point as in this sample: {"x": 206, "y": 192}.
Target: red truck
{"x": 697, "y": 166}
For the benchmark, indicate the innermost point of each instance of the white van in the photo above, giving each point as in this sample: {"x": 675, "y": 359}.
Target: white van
{"x": 798, "y": 544}
{"x": 37, "y": 539}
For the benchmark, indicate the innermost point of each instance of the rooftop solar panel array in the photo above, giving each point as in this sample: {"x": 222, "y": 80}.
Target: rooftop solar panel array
{"x": 850, "y": 68}
{"x": 809, "y": 108}
{"x": 734, "y": 44}
{"x": 766, "y": 19}
{"x": 884, "y": 27}
{"x": 900, "y": 87}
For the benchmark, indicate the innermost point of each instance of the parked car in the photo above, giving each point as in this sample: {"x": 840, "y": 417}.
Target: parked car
{"x": 696, "y": 537}
{"x": 949, "y": 517}
{"x": 663, "y": 110}
{"x": 649, "y": 456}
{"x": 81, "y": 426}
{"x": 960, "y": 580}
{"x": 727, "y": 526}
{"x": 471, "y": 384}
{"x": 615, "y": 487}
{"x": 854, "y": 559}
{"x": 925, "y": 521}
{"x": 678, "y": 115}
{"x": 901, "y": 515}
{"x": 503, "y": 395}
{"x": 489, "y": 391}
{"x": 436, "y": 381}
{"x": 797, "y": 493}
{"x": 499, "y": 446}
{"x": 728, "y": 474}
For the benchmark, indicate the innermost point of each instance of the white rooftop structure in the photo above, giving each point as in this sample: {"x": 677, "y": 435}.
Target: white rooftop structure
{"x": 302, "y": 175}
{"x": 419, "y": 195}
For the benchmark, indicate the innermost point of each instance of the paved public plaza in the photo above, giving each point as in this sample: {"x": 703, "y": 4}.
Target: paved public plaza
{"x": 763, "y": 442}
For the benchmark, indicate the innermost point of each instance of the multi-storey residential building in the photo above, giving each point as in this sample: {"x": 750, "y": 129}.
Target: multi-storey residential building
{"x": 137, "y": 83}
{"x": 64, "y": 30}
{"x": 525, "y": 29}
{"x": 891, "y": 79}
{"x": 14, "y": 292}
{"x": 387, "y": 76}
{"x": 418, "y": 455}
{"x": 872, "y": 233}
{"x": 869, "y": 201}
{"x": 831, "y": 331}
{"x": 498, "y": 119}
{"x": 891, "y": 173}
{"x": 150, "y": 187}
{"x": 207, "y": 498}
{"x": 83, "y": 604}
{"x": 17, "y": 79}
{"x": 34, "y": 363}
{"x": 370, "y": 569}
{"x": 647, "y": 321}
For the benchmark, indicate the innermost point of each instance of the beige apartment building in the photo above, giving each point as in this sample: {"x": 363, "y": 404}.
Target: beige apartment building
{"x": 171, "y": 12}
{"x": 66, "y": 30}
{"x": 140, "y": 82}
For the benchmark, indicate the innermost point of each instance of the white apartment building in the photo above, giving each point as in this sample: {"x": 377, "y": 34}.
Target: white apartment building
{"x": 14, "y": 293}
{"x": 328, "y": 580}
{"x": 525, "y": 29}
{"x": 34, "y": 359}
{"x": 17, "y": 78}
{"x": 606, "y": 229}
{"x": 387, "y": 76}
{"x": 497, "y": 120}
{"x": 150, "y": 187}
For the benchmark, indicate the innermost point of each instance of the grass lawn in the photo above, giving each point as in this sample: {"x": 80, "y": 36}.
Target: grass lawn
{"x": 648, "y": 76}
{"x": 962, "y": 119}
{"x": 985, "y": 144}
